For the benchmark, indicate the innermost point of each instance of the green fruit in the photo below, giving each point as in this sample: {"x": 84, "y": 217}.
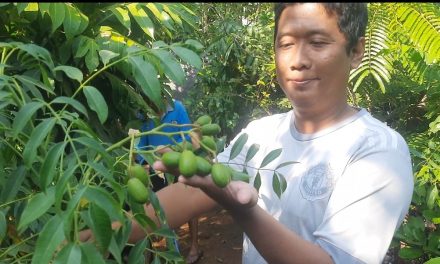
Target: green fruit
{"x": 221, "y": 174}
{"x": 209, "y": 142}
{"x": 210, "y": 129}
{"x": 187, "y": 163}
{"x": 138, "y": 171}
{"x": 203, "y": 120}
{"x": 171, "y": 159}
{"x": 137, "y": 190}
{"x": 203, "y": 166}
{"x": 184, "y": 145}
{"x": 240, "y": 176}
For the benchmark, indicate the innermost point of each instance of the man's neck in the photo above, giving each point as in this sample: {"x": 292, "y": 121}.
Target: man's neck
{"x": 308, "y": 122}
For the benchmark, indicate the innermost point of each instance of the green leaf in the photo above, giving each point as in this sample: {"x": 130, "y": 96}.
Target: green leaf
{"x": 172, "y": 68}
{"x": 194, "y": 43}
{"x": 96, "y": 102}
{"x": 188, "y": 56}
{"x": 251, "y": 152}
{"x": 115, "y": 250}
{"x": 142, "y": 19}
{"x": 36, "y": 207}
{"x": 23, "y": 116}
{"x": 433, "y": 261}
{"x": 91, "y": 254}
{"x": 71, "y": 72}
{"x": 70, "y": 254}
{"x": 164, "y": 232}
{"x": 3, "y": 225}
{"x": 13, "y": 184}
{"x": 38, "y": 135}
{"x": 137, "y": 252}
{"x": 92, "y": 59}
{"x": 71, "y": 101}
{"x": 432, "y": 196}
{"x": 271, "y": 156}
{"x": 410, "y": 253}
{"x": 102, "y": 229}
{"x": 26, "y": 79}
{"x": 238, "y": 146}
{"x": 146, "y": 75}
{"x": 56, "y": 12}
{"x": 284, "y": 164}
{"x": 123, "y": 17}
{"x": 93, "y": 144}
{"x": 279, "y": 184}
{"x": 48, "y": 240}
{"x": 257, "y": 181}
{"x": 48, "y": 169}
{"x": 82, "y": 45}
{"x": 104, "y": 200}
{"x": 61, "y": 185}
{"x": 72, "y": 21}
{"x": 107, "y": 55}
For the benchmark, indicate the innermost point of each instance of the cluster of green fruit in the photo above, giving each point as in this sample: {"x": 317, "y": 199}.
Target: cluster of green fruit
{"x": 191, "y": 162}
{"x": 189, "y": 159}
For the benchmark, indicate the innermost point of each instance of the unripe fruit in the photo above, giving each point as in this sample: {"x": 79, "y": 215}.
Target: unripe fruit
{"x": 187, "y": 163}
{"x": 221, "y": 174}
{"x": 203, "y": 166}
{"x": 137, "y": 190}
{"x": 240, "y": 176}
{"x": 138, "y": 171}
{"x": 171, "y": 159}
{"x": 210, "y": 129}
{"x": 203, "y": 120}
{"x": 209, "y": 142}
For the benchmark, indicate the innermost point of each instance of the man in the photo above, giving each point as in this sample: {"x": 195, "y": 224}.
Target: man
{"x": 178, "y": 115}
{"x": 352, "y": 185}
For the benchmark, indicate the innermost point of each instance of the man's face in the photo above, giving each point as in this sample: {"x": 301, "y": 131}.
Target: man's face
{"x": 312, "y": 63}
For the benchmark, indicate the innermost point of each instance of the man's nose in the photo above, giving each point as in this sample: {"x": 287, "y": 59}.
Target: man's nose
{"x": 300, "y": 58}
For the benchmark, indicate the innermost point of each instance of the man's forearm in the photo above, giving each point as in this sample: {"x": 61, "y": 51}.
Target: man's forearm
{"x": 275, "y": 242}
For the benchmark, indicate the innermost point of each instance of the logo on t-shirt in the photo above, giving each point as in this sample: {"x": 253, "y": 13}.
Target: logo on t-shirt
{"x": 317, "y": 182}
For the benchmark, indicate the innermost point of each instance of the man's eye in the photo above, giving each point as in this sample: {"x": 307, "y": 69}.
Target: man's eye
{"x": 318, "y": 43}
{"x": 286, "y": 45}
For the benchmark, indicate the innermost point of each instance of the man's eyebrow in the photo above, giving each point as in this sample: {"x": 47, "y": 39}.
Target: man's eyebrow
{"x": 307, "y": 34}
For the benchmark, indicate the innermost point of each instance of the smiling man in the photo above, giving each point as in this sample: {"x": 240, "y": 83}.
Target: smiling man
{"x": 352, "y": 185}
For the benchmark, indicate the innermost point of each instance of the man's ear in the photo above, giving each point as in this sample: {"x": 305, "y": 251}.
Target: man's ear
{"x": 357, "y": 53}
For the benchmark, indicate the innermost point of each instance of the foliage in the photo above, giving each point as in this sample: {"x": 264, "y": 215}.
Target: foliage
{"x": 61, "y": 66}
{"x": 237, "y": 82}
{"x": 74, "y": 77}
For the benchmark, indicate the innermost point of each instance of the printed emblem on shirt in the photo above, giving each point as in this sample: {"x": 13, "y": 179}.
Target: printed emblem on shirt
{"x": 317, "y": 182}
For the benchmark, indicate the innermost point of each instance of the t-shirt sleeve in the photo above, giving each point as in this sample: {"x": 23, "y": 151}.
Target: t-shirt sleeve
{"x": 367, "y": 205}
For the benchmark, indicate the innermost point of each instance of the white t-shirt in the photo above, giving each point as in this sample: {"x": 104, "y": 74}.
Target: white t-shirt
{"x": 349, "y": 191}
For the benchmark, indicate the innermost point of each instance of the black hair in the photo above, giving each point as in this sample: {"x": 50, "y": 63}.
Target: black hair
{"x": 352, "y": 19}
